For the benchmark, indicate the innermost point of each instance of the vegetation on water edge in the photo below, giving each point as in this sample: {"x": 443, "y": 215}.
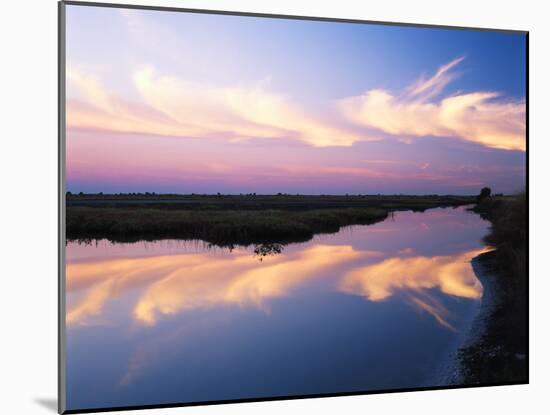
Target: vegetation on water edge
{"x": 228, "y": 220}
{"x": 508, "y": 234}
{"x": 258, "y": 202}
{"x": 221, "y": 227}
{"x": 500, "y": 355}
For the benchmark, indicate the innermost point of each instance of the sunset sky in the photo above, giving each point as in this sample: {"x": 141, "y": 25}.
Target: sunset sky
{"x": 193, "y": 103}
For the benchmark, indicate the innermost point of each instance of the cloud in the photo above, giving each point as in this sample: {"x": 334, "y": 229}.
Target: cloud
{"x": 91, "y": 106}
{"x": 433, "y": 307}
{"x": 176, "y": 107}
{"x": 479, "y": 116}
{"x": 172, "y": 106}
{"x": 424, "y": 89}
{"x": 244, "y": 285}
{"x": 451, "y": 274}
{"x": 171, "y": 284}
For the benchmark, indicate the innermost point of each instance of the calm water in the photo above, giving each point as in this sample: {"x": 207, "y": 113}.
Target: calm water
{"x": 370, "y": 307}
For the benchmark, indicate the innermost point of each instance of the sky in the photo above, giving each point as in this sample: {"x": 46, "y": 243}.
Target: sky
{"x": 172, "y": 102}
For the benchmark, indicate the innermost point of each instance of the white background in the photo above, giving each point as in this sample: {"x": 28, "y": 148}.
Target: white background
{"x": 28, "y": 209}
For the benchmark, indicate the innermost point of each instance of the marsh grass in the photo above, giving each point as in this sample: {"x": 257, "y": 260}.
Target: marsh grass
{"x": 221, "y": 227}
{"x": 227, "y": 220}
{"x": 501, "y": 355}
{"x": 508, "y": 233}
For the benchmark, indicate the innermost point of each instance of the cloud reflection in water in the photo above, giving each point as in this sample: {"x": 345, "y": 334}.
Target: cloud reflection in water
{"x": 450, "y": 274}
{"x": 171, "y": 284}
{"x": 175, "y": 283}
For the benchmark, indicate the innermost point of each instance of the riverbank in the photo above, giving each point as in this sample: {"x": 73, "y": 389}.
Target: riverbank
{"x": 227, "y": 220}
{"x": 496, "y": 350}
{"x": 224, "y": 228}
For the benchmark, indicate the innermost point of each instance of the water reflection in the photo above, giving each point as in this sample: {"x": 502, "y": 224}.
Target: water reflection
{"x": 450, "y": 274}
{"x": 263, "y": 250}
{"x": 175, "y": 283}
{"x": 179, "y": 312}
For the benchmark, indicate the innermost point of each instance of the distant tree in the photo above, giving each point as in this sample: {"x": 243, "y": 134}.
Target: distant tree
{"x": 69, "y": 194}
{"x": 81, "y": 194}
{"x": 484, "y": 193}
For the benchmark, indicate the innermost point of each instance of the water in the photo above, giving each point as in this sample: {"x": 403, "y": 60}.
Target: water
{"x": 368, "y": 308}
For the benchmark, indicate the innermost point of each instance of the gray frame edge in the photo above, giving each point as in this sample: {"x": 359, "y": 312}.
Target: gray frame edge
{"x": 286, "y": 16}
{"x": 61, "y": 358}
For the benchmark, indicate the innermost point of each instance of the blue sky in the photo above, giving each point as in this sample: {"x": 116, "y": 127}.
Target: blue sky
{"x": 443, "y": 108}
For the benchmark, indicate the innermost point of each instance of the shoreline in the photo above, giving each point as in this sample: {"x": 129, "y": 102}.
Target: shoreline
{"x": 490, "y": 300}
{"x": 496, "y": 349}
{"x": 486, "y": 357}
{"x": 455, "y": 373}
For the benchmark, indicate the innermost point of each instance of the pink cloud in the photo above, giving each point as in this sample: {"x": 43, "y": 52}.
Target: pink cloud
{"x": 176, "y": 107}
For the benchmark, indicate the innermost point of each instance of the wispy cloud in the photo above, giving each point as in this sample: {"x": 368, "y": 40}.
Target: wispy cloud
{"x": 482, "y": 117}
{"x": 171, "y": 284}
{"x": 177, "y": 107}
{"x": 424, "y": 89}
{"x": 450, "y": 274}
{"x": 173, "y": 106}
{"x": 434, "y": 307}
{"x": 417, "y": 275}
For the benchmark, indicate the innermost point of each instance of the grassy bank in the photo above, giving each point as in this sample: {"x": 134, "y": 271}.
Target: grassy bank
{"x": 219, "y": 227}
{"x": 508, "y": 234}
{"x": 500, "y": 354}
{"x": 231, "y": 220}
{"x": 259, "y": 202}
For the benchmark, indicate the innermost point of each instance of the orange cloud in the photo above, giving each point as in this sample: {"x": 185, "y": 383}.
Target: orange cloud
{"x": 451, "y": 274}
{"x": 476, "y": 116}
{"x": 175, "y": 283}
{"x": 92, "y": 305}
{"x": 183, "y": 290}
{"x": 171, "y": 284}
{"x": 104, "y": 280}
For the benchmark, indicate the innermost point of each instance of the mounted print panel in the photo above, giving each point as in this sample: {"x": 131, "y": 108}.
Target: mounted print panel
{"x": 261, "y": 207}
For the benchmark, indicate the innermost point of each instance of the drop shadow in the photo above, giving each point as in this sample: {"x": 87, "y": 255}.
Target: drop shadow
{"x": 48, "y": 403}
